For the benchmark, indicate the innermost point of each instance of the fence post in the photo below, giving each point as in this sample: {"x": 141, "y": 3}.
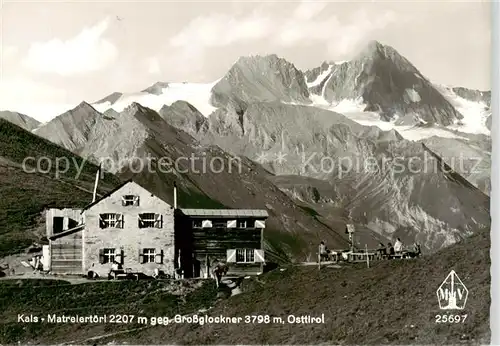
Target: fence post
{"x": 367, "y": 257}
{"x": 319, "y": 260}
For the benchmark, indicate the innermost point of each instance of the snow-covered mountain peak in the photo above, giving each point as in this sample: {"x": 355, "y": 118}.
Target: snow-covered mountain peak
{"x": 160, "y": 94}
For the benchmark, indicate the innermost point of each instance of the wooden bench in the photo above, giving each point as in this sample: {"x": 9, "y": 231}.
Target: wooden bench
{"x": 121, "y": 274}
{"x": 332, "y": 256}
{"x": 400, "y": 255}
{"x": 360, "y": 256}
{"x": 335, "y": 256}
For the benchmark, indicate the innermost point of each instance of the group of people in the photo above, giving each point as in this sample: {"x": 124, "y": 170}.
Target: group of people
{"x": 398, "y": 248}
{"x": 383, "y": 251}
{"x": 392, "y": 250}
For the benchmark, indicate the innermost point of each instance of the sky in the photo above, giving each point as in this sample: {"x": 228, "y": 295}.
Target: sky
{"x": 56, "y": 54}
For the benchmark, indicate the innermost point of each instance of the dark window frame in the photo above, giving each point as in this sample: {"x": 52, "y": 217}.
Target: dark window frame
{"x": 245, "y": 255}
{"x": 130, "y": 200}
{"x": 109, "y": 255}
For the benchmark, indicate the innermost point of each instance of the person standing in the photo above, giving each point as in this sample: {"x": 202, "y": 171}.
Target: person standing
{"x": 390, "y": 250}
{"x": 220, "y": 269}
{"x": 398, "y": 246}
{"x": 323, "y": 252}
{"x": 381, "y": 251}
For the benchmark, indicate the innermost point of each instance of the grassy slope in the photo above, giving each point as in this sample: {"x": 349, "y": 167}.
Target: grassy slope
{"x": 361, "y": 306}
{"x": 24, "y": 196}
{"x": 42, "y": 297}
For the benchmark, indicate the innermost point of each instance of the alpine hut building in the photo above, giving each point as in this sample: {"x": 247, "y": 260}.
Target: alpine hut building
{"x": 144, "y": 234}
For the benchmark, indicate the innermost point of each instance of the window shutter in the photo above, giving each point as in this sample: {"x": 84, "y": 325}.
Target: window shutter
{"x": 158, "y": 220}
{"x": 141, "y": 223}
{"x": 159, "y": 256}
{"x": 231, "y": 224}
{"x": 136, "y": 201}
{"x": 102, "y": 224}
{"x": 124, "y": 201}
{"x": 101, "y": 256}
{"x": 141, "y": 256}
{"x": 119, "y": 256}
{"x": 231, "y": 255}
{"x": 206, "y": 224}
{"x": 260, "y": 224}
{"x": 119, "y": 220}
{"x": 259, "y": 255}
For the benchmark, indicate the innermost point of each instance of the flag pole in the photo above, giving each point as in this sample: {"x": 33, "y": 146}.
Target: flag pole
{"x": 98, "y": 173}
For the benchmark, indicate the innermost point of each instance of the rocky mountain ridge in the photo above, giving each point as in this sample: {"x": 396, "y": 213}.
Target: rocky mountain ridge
{"x": 387, "y": 83}
{"x": 19, "y": 119}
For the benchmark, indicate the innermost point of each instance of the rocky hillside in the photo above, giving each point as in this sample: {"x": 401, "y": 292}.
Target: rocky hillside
{"x": 469, "y": 155}
{"x": 387, "y": 83}
{"x": 474, "y": 95}
{"x": 477, "y": 96}
{"x": 19, "y": 119}
{"x": 473, "y": 104}
{"x": 71, "y": 129}
{"x": 383, "y": 183}
{"x": 183, "y": 115}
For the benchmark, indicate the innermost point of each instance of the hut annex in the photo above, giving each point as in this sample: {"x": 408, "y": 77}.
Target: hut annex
{"x": 143, "y": 233}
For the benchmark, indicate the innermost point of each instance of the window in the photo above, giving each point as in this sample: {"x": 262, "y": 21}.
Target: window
{"x": 219, "y": 224}
{"x": 151, "y": 255}
{"x": 241, "y": 224}
{"x": 108, "y": 256}
{"x": 111, "y": 220}
{"x": 197, "y": 223}
{"x": 130, "y": 200}
{"x": 245, "y": 255}
{"x": 150, "y": 220}
{"x": 57, "y": 224}
{"x": 148, "y": 256}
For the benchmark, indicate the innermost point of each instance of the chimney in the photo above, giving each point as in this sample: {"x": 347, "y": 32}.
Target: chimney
{"x": 175, "y": 195}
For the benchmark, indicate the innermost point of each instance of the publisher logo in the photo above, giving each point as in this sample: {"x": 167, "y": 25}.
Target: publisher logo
{"x": 452, "y": 294}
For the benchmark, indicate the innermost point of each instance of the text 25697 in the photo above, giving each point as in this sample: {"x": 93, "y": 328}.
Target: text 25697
{"x": 445, "y": 318}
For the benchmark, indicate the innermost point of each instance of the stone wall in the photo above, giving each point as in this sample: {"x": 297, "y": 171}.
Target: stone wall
{"x": 129, "y": 240}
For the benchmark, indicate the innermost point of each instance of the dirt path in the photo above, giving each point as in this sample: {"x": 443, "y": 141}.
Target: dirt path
{"x": 71, "y": 280}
